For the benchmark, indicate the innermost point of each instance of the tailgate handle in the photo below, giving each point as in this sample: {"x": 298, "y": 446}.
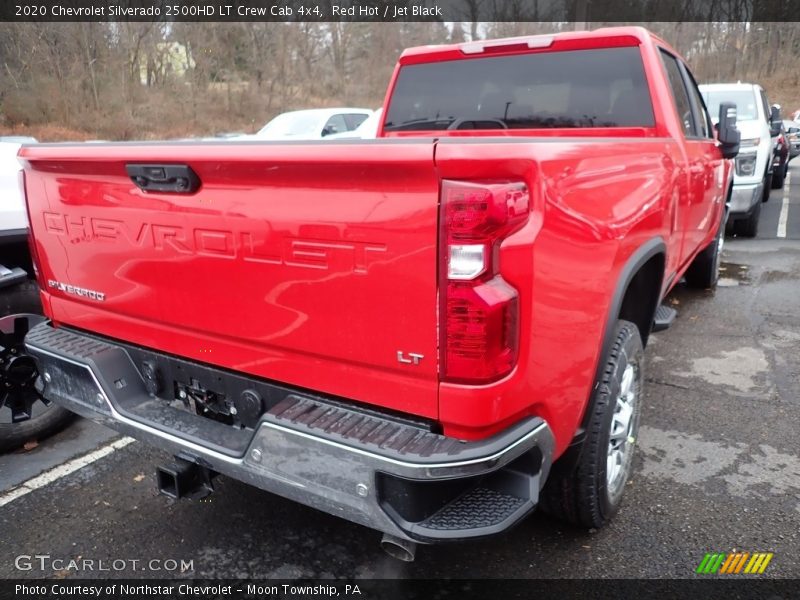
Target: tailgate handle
{"x": 176, "y": 179}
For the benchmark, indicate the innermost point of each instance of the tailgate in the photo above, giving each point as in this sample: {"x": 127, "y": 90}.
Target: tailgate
{"x": 310, "y": 264}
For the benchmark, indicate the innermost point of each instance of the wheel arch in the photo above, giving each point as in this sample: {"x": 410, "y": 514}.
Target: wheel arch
{"x": 642, "y": 272}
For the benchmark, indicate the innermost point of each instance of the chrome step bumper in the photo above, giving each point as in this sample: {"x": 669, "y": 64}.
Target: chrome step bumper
{"x": 360, "y": 465}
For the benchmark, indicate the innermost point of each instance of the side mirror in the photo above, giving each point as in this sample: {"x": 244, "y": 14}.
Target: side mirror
{"x": 728, "y": 135}
{"x": 775, "y": 120}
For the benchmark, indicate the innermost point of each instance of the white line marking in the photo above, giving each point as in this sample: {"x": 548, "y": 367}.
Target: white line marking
{"x": 62, "y": 470}
{"x": 784, "y": 207}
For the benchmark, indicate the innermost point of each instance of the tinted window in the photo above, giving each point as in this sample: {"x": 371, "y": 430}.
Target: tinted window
{"x": 702, "y": 121}
{"x": 354, "y": 120}
{"x": 766, "y": 105}
{"x": 580, "y": 88}
{"x": 679, "y": 93}
{"x": 336, "y": 124}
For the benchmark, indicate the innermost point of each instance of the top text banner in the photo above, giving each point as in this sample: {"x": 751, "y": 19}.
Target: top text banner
{"x": 398, "y": 10}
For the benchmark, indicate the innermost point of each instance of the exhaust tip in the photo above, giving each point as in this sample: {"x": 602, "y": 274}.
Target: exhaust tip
{"x": 399, "y": 548}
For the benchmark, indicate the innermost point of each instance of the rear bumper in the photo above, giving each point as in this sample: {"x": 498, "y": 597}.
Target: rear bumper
{"x": 371, "y": 469}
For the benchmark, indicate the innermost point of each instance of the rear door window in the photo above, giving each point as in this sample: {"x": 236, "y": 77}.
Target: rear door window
{"x": 702, "y": 120}
{"x": 765, "y": 103}
{"x": 603, "y": 87}
{"x": 679, "y": 93}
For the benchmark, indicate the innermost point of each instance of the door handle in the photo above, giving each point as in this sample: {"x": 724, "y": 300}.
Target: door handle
{"x": 175, "y": 179}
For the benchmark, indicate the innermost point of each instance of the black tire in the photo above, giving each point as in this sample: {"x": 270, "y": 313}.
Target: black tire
{"x": 20, "y": 298}
{"x": 749, "y": 227}
{"x": 45, "y": 418}
{"x": 767, "y": 187}
{"x": 15, "y": 435}
{"x": 779, "y": 177}
{"x": 581, "y": 494}
{"x": 703, "y": 273}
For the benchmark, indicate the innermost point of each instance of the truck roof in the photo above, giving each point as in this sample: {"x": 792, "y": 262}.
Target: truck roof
{"x": 728, "y": 87}
{"x": 570, "y": 39}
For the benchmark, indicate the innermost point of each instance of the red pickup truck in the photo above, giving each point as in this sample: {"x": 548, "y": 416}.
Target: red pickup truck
{"x": 406, "y": 332}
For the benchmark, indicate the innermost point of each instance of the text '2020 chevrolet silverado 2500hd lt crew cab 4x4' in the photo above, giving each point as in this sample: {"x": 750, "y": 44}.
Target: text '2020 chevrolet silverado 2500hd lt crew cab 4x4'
{"x": 406, "y": 332}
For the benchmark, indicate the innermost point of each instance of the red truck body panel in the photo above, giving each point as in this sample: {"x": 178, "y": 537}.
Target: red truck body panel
{"x": 315, "y": 264}
{"x": 311, "y": 275}
{"x": 595, "y": 203}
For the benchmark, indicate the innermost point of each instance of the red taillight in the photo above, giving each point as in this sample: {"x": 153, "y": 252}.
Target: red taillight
{"x": 477, "y": 212}
{"x": 479, "y": 310}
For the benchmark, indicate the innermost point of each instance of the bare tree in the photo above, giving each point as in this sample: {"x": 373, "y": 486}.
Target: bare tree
{"x": 123, "y": 80}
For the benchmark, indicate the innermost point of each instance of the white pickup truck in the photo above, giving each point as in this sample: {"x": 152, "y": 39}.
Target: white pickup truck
{"x": 13, "y": 219}
{"x": 759, "y": 125}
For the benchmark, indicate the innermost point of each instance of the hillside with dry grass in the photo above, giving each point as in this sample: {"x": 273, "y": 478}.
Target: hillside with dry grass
{"x": 123, "y": 81}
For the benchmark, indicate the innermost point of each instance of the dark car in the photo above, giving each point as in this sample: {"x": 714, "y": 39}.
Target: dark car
{"x": 793, "y": 137}
{"x": 780, "y": 158}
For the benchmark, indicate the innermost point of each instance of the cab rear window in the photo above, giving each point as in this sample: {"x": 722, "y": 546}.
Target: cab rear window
{"x": 578, "y": 88}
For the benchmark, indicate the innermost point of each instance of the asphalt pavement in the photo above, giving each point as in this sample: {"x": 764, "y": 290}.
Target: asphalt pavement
{"x": 717, "y": 469}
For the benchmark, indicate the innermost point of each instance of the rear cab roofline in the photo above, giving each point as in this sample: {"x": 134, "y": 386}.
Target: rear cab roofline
{"x": 605, "y": 37}
{"x": 541, "y": 42}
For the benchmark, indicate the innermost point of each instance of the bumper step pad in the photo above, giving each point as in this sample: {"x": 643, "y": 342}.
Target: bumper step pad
{"x": 664, "y": 318}
{"x": 479, "y": 508}
{"x": 375, "y": 432}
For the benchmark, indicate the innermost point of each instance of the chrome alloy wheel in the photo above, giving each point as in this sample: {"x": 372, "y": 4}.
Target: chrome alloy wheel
{"x": 624, "y": 426}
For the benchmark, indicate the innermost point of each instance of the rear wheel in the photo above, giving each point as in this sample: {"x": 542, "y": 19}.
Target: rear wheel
{"x": 589, "y": 494}
{"x": 24, "y": 414}
{"x": 704, "y": 271}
